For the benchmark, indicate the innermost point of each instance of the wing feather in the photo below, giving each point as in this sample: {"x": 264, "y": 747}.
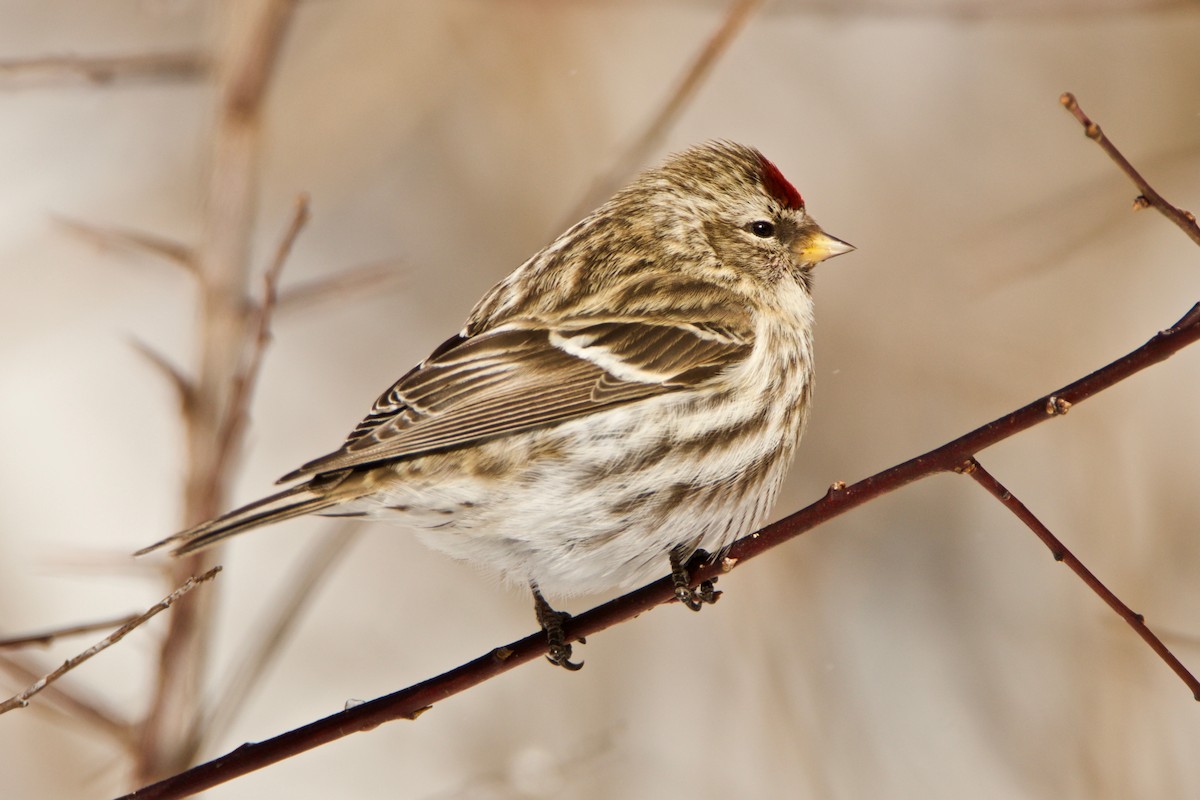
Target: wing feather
{"x": 524, "y": 376}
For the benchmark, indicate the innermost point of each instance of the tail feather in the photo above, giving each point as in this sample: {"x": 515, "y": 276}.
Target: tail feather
{"x": 294, "y": 502}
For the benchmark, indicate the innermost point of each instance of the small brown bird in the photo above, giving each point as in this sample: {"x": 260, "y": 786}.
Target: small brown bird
{"x": 631, "y": 394}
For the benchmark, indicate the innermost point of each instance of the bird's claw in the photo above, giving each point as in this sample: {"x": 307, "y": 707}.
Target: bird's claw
{"x": 558, "y": 649}
{"x": 704, "y": 594}
{"x": 695, "y": 599}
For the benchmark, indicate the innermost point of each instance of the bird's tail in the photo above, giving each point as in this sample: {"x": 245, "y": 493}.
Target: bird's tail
{"x": 294, "y": 502}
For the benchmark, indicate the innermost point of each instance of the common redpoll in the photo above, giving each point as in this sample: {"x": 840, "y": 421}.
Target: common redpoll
{"x": 631, "y": 394}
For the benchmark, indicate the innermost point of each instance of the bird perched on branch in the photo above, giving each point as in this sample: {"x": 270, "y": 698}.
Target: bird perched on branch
{"x": 630, "y": 395}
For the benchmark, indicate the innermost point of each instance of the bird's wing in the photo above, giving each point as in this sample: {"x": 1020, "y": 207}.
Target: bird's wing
{"x": 523, "y": 376}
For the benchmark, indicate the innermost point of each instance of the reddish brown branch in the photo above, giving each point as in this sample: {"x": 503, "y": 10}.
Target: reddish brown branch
{"x": 1186, "y": 220}
{"x": 407, "y": 703}
{"x": 1060, "y": 552}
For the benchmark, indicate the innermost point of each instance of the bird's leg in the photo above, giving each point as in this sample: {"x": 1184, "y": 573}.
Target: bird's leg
{"x": 559, "y": 649}
{"x": 706, "y": 592}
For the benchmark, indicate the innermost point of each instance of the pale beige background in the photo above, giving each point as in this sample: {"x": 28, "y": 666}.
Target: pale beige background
{"x": 923, "y": 647}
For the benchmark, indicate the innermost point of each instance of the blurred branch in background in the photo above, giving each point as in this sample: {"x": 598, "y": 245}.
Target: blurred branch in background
{"x": 227, "y": 338}
{"x": 183, "y": 66}
{"x": 636, "y": 154}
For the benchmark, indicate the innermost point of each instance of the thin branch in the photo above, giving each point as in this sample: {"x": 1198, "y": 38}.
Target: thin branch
{"x": 408, "y": 703}
{"x": 285, "y": 612}
{"x": 337, "y": 286}
{"x": 136, "y": 241}
{"x": 1148, "y": 196}
{"x": 245, "y": 380}
{"x": 72, "y": 704}
{"x": 43, "y": 638}
{"x": 1060, "y": 552}
{"x": 635, "y": 155}
{"x": 184, "y": 66}
{"x": 21, "y": 700}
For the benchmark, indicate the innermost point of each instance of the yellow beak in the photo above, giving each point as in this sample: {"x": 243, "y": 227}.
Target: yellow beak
{"x": 819, "y": 246}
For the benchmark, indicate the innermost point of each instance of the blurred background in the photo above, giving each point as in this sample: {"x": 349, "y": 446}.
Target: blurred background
{"x": 925, "y": 646}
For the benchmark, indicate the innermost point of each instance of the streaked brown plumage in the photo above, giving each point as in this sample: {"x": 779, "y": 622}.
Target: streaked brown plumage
{"x": 633, "y": 392}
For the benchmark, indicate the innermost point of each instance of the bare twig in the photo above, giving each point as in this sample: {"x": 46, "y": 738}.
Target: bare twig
{"x": 184, "y": 66}
{"x": 48, "y": 636}
{"x": 245, "y": 380}
{"x": 1148, "y": 196}
{"x": 72, "y": 703}
{"x": 635, "y": 155}
{"x": 285, "y": 612}
{"x": 1060, "y": 552}
{"x": 840, "y": 498}
{"x": 21, "y": 699}
{"x": 136, "y": 241}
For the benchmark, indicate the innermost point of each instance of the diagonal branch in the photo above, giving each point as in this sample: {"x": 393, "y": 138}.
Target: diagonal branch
{"x": 1186, "y": 220}
{"x": 840, "y": 498}
{"x": 1060, "y": 552}
{"x": 246, "y": 379}
{"x": 21, "y": 699}
{"x": 739, "y": 13}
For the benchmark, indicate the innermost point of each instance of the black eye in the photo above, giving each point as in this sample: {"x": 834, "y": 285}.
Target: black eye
{"x": 762, "y": 229}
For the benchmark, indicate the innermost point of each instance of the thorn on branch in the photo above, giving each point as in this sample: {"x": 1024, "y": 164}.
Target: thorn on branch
{"x": 184, "y": 389}
{"x": 123, "y": 238}
{"x": 834, "y": 488}
{"x": 1057, "y": 406}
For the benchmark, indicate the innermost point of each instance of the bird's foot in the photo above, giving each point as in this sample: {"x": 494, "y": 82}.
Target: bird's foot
{"x": 705, "y": 593}
{"x": 558, "y": 650}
